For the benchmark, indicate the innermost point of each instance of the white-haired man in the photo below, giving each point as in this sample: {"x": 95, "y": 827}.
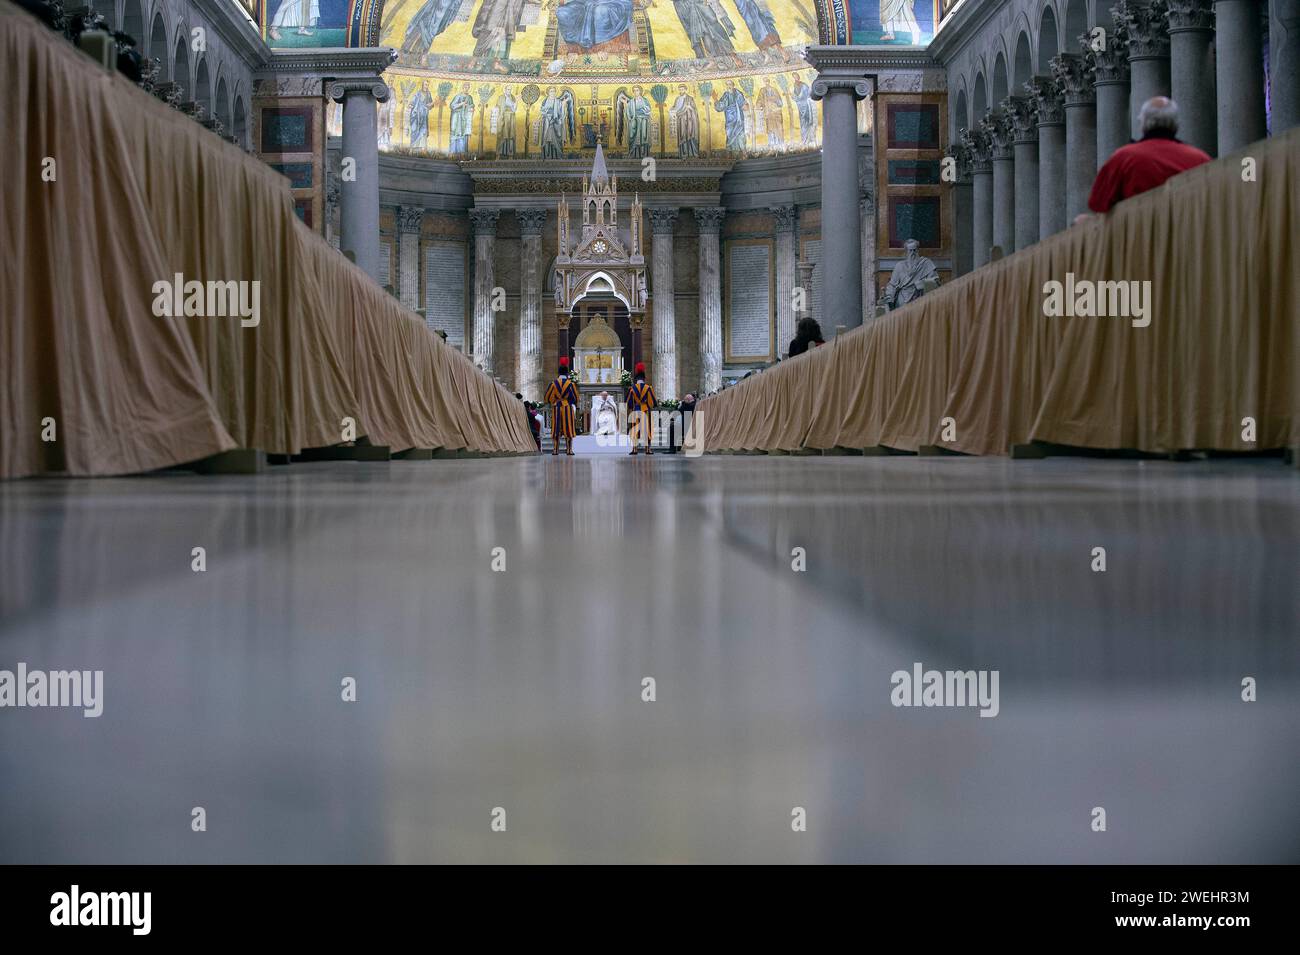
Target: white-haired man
{"x": 1147, "y": 163}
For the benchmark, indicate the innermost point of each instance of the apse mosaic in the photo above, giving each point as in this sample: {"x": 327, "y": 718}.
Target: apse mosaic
{"x": 523, "y": 78}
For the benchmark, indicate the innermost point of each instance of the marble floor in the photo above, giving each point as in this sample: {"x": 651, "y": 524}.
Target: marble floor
{"x": 499, "y": 619}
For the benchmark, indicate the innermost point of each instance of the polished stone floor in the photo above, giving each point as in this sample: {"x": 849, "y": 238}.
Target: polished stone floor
{"x": 522, "y": 688}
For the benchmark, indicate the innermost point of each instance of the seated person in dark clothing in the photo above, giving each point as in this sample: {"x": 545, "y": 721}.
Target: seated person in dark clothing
{"x": 807, "y": 334}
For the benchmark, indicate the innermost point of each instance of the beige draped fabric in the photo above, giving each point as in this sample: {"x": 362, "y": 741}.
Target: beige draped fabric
{"x": 110, "y": 191}
{"x": 1220, "y": 252}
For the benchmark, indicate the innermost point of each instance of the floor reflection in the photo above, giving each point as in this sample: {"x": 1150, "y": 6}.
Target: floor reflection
{"x": 500, "y": 617}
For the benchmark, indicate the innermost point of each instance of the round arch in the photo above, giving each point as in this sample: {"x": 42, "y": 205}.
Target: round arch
{"x": 1001, "y": 83}
{"x": 181, "y": 62}
{"x": 221, "y": 106}
{"x": 1076, "y": 22}
{"x": 156, "y": 45}
{"x": 203, "y": 86}
{"x": 1049, "y": 40}
{"x": 979, "y": 100}
{"x": 1022, "y": 67}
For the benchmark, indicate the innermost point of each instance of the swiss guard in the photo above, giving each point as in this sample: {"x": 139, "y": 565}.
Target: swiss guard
{"x": 641, "y": 402}
{"x": 562, "y": 395}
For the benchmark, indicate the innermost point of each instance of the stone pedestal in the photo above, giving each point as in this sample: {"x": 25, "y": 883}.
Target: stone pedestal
{"x": 710, "y": 222}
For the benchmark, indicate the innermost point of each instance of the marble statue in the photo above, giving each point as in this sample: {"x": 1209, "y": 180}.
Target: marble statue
{"x": 911, "y": 278}
{"x": 604, "y": 415}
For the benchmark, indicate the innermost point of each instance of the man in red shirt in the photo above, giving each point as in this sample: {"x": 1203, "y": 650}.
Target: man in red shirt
{"x": 1147, "y": 163}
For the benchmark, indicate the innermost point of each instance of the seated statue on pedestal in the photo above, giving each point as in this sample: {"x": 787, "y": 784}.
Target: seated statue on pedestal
{"x": 912, "y": 278}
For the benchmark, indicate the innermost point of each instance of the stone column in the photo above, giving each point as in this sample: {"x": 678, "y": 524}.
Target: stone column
{"x": 359, "y": 184}
{"x": 787, "y": 223}
{"x": 1074, "y": 74}
{"x": 531, "y": 379}
{"x": 1191, "y": 71}
{"x": 1238, "y": 53}
{"x": 998, "y": 126}
{"x": 410, "y": 219}
{"x": 1051, "y": 154}
{"x": 1284, "y": 64}
{"x": 1024, "y": 126}
{"x": 1147, "y": 27}
{"x": 664, "y": 287}
{"x": 484, "y": 222}
{"x": 962, "y": 211}
{"x": 1114, "y": 96}
{"x": 710, "y": 221}
{"x": 841, "y": 255}
{"x": 977, "y": 140}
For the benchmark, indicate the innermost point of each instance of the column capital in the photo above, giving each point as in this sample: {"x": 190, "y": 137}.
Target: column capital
{"x": 710, "y": 220}
{"x": 1191, "y": 15}
{"x": 1046, "y": 93}
{"x": 531, "y": 221}
{"x": 980, "y": 146}
{"x": 410, "y": 218}
{"x": 1074, "y": 75}
{"x": 484, "y": 221}
{"x": 960, "y": 151}
{"x": 1147, "y": 25}
{"x": 787, "y": 218}
{"x": 996, "y": 125}
{"x": 1110, "y": 63}
{"x": 663, "y": 221}
{"x": 825, "y": 84}
{"x": 1023, "y": 114}
{"x": 375, "y": 87}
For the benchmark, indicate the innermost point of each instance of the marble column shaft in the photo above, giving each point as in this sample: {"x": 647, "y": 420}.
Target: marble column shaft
{"x": 710, "y": 221}
{"x": 1074, "y": 73}
{"x": 981, "y": 196}
{"x": 1114, "y": 96}
{"x": 841, "y": 249}
{"x": 1146, "y": 25}
{"x": 359, "y": 189}
{"x": 962, "y": 212}
{"x": 1191, "y": 72}
{"x": 1238, "y": 52}
{"x": 663, "y": 286}
{"x": 998, "y": 125}
{"x": 485, "y": 239}
{"x": 410, "y": 220}
{"x": 1051, "y": 154}
{"x": 1284, "y": 64}
{"x": 531, "y": 380}
{"x": 787, "y": 222}
{"x": 1024, "y": 128}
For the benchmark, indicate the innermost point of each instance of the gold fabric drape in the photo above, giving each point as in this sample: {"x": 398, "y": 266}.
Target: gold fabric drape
{"x": 111, "y": 191}
{"x": 1221, "y": 254}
